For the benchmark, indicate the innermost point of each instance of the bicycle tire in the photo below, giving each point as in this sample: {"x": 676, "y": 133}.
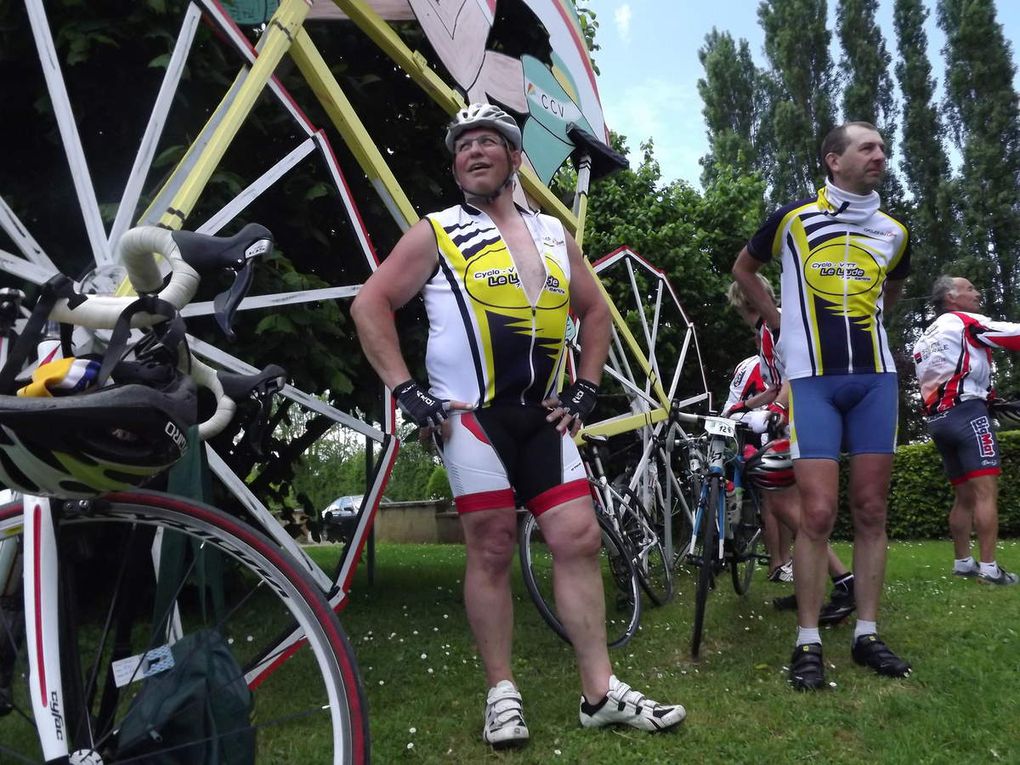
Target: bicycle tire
{"x": 309, "y": 697}
{"x": 645, "y": 539}
{"x": 705, "y": 559}
{"x": 675, "y": 492}
{"x": 747, "y": 543}
{"x": 619, "y": 581}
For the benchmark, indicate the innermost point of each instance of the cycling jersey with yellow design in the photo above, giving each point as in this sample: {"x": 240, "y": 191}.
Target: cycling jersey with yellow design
{"x": 487, "y": 343}
{"x": 834, "y": 274}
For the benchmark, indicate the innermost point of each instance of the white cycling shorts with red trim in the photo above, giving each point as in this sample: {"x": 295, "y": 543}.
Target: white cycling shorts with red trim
{"x": 500, "y": 456}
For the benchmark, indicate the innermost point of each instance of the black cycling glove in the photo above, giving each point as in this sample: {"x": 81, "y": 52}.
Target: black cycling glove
{"x": 426, "y": 411}
{"x": 578, "y": 399}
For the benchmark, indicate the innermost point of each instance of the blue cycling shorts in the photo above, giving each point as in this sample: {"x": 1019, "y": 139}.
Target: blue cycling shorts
{"x": 843, "y": 413}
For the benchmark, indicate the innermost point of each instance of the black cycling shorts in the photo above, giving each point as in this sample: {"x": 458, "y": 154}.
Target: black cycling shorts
{"x": 966, "y": 440}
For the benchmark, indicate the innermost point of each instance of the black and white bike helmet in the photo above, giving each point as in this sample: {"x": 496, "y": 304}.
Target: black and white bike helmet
{"x": 483, "y": 116}
{"x": 111, "y": 439}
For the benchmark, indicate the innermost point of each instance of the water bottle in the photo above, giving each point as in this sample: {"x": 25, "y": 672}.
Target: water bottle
{"x": 49, "y": 346}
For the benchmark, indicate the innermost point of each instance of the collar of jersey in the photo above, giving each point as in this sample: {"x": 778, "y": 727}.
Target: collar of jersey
{"x": 845, "y": 206}
{"x": 472, "y": 210}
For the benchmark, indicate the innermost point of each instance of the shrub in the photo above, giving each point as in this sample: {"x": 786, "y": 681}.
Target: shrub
{"x": 920, "y": 496}
{"x": 438, "y": 486}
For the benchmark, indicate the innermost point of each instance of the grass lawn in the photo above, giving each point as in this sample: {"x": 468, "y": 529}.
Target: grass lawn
{"x": 426, "y": 689}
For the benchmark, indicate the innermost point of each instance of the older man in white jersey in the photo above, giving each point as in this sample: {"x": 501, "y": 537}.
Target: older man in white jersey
{"x": 843, "y": 264}
{"x": 499, "y": 282}
{"x": 953, "y": 359}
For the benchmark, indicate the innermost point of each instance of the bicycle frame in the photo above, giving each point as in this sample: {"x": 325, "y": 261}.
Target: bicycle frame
{"x": 719, "y": 430}
{"x": 611, "y": 501}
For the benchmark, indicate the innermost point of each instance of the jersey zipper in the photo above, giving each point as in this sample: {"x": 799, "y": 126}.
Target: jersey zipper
{"x": 846, "y": 308}
{"x": 531, "y": 350}
{"x": 531, "y": 304}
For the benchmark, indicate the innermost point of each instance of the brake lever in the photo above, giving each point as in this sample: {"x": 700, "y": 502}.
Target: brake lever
{"x": 225, "y": 304}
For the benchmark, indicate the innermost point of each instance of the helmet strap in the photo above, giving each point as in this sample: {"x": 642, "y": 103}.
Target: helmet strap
{"x": 56, "y": 288}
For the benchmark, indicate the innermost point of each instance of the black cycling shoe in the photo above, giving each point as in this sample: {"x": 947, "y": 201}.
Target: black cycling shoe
{"x": 841, "y": 604}
{"x": 807, "y": 671}
{"x": 869, "y": 651}
{"x": 785, "y": 603}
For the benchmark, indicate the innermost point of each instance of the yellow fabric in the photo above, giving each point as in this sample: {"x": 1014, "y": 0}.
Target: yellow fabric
{"x": 46, "y": 377}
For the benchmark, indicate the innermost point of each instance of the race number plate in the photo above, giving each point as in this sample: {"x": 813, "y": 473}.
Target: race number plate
{"x": 720, "y": 426}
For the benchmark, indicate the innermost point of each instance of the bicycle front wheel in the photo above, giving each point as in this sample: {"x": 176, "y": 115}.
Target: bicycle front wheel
{"x": 705, "y": 559}
{"x": 747, "y": 543}
{"x": 619, "y": 581}
{"x": 220, "y": 589}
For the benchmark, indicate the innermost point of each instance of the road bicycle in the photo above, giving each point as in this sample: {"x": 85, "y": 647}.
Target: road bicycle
{"x": 726, "y": 529}
{"x": 632, "y": 553}
{"x": 620, "y": 584}
{"x": 630, "y": 518}
{"x": 92, "y": 607}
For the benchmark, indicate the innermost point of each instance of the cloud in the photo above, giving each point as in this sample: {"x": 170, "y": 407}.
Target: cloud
{"x": 622, "y": 16}
{"x": 668, "y": 111}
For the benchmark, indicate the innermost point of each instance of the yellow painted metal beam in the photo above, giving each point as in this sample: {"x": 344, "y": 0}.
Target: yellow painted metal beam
{"x": 343, "y": 116}
{"x": 415, "y": 64}
{"x": 623, "y": 424}
{"x": 280, "y": 32}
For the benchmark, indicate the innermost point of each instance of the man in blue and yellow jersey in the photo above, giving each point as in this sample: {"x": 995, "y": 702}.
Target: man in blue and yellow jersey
{"x": 843, "y": 263}
{"x": 499, "y": 283}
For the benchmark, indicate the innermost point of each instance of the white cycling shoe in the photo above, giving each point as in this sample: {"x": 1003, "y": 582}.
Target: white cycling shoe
{"x": 504, "y": 717}
{"x": 624, "y": 706}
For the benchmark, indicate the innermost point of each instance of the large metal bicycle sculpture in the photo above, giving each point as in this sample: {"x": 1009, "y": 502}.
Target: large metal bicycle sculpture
{"x": 564, "y": 85}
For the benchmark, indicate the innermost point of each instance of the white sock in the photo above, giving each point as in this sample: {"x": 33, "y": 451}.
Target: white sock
{"x": 808, "y": 635}
{"x": 964, "y": 564}
{"x": 990, "y": 569}
{"x": 864, "y": 628}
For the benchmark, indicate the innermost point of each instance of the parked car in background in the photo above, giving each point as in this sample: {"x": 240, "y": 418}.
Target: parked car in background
{"x": 341, "y": 509}
{"x": 339, "y": 516}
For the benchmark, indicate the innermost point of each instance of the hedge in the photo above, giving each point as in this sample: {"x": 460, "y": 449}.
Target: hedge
{"x": 920, "y": 496}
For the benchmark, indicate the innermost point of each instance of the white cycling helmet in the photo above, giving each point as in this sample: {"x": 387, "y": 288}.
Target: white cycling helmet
{"x": 483, "y": 116}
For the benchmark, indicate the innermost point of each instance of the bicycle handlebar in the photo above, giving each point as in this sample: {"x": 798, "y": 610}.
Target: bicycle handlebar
{"x": 723, "y": 426}
{"x": 188, "y": 255}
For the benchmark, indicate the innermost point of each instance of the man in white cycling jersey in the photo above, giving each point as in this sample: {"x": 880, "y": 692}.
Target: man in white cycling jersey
{"x": 953, "y": 359}
{"x": 843, "y": 263}
{"x": 499, "y": 283}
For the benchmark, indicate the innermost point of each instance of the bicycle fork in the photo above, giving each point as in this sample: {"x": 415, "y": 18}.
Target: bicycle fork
{"x": 42, "y": 632}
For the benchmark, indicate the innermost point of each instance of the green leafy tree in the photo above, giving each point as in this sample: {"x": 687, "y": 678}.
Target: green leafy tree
{"x": 732, "y": 94}
{"x": 438, "y": 486}
{"x": 981, "y": 104}
{"x": 411, "y": 473}
{"x": 925, "y": 167}
{"x": 801, "y": 86}
{"x": 692, "y": 237}
{"x": 867, "y": 83}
